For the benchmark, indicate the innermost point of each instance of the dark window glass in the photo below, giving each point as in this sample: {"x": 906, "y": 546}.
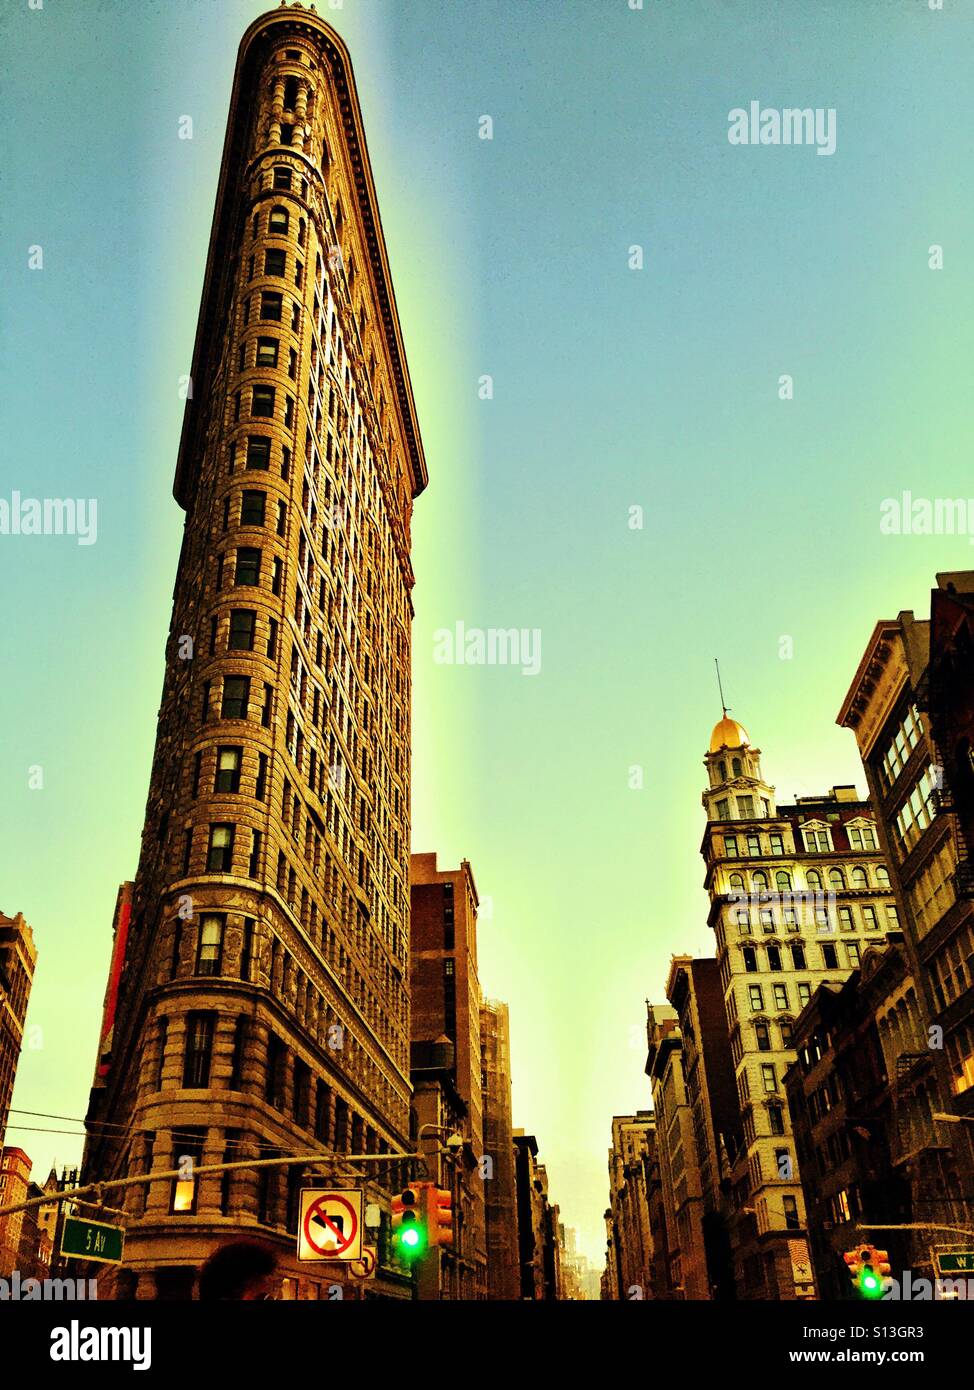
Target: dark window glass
{"x": 236, "y": 696}
{"x": 243, "y": 624}
{"x": 248, "y": 566}
{"x": 252, "y": 508}
{"x": 275, "y": 261}
{"x": 282, "y": 176}
{"x": 271, "y": 304}
{"x": 258, "y": 451}
{"x": 262, "y": 403}
{"x": 199, "y": 1050}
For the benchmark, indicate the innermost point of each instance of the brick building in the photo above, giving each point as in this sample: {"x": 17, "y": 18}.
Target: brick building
{"x": 446, "y": 1001}
{"x": 261, "y": 979}
{"x": 910, "y": 707}
{"x": 18, "y": 958}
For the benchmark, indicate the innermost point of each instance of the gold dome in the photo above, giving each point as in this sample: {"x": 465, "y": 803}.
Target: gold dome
{"x": 728, "y": 734}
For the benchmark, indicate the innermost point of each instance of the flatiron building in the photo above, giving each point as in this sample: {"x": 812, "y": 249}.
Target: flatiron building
{"x": 259, "y": 998}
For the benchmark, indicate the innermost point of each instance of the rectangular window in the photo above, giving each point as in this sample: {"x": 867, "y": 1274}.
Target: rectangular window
{"x": 263, "y": 401}
{"x": 248, "y": 566}
{"x": 792, "y": 1221}
{"x": 209, "y": 955}
{"x": 247, "y": 945}
{"x": 804, "y": 993}
{"x": 228, "y": 769}
{"x": 777, "y": 845}
{"x": 266, "y": 352}
{"x": 254, "y": 863}
{"x": 219, "y": 855}
{"x": 282, "y": 176}
{"x": 745, "y": 808}
{"x": 258, "y": 451}
{"x": 271, "y": 305}
{"x": 845, "y": 919}
{"x": 776, "y": 1118}
{"x": 869, "y": 918}
{"x": 755, "y": 997}
{"x": 243, "y": 624}
{"x": 253, "y": 508}
{"x": 763, "y": 1037}
{"x": 830, "y": 958}
{"x": 236, "y": 697}
{"x": 187, "y": 1155}
{"x": 780, "y": 996}
{"x": 275, "y": 261}
{"x": 769, "y": 1077}
{"x": 730, "y": 846}
{"x": 260, "y": 786}
{"x": 276, "y": 1063}
{"x": 199, "y": 1051}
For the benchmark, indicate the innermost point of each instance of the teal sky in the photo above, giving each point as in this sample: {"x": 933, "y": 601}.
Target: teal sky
{"x": 613, "y": 388}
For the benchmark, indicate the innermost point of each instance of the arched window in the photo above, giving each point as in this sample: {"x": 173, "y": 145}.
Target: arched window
{"x": 836, "y": 878}
{"x": 722, "y": 769}
{"x": 290, "y": 93}
{"x": 783, "y": 879}
{"x": 736, "y": 883}
{"x": 760, "y": 881}
{"x": 882, "y": 876}
{"x": 278, "y": 220}
{"x": 814, "y": 878}
{"x": 736, "y": 766}
{"x": 859, "y": 878}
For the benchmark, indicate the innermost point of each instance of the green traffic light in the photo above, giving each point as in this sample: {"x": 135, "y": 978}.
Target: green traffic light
{"x": 410, "y": 1238}
{"x": 870, "y": 1284}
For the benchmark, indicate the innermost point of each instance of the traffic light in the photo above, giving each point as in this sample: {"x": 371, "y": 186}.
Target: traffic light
{"x": 883, "y": 1270}
{"x": 410, "y": 1236}
{"x": 868, "y": 1269}
{"x": 439, "y": 1215}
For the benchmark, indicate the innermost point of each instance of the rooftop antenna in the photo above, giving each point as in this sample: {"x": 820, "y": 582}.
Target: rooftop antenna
{"x": 720, "y": 688}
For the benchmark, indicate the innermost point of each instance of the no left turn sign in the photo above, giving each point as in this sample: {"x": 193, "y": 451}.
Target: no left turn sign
{"x": 331, "y": 1224}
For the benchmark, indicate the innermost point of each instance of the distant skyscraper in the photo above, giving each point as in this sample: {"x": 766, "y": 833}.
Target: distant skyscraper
{"x": 263, "y": 993}
{"x": 796, "y": 894}
{"x": 18, "y": 957}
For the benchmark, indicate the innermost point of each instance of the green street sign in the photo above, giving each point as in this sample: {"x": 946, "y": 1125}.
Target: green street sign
{"x": 955, "y": 1261}
{"x": 92, "y": 1240}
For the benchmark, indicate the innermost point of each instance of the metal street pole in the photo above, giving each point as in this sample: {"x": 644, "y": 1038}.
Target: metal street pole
{"x": 144, "y": 1179}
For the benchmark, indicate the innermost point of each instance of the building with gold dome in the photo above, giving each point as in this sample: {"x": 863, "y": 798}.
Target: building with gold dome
{"x": 797, "y": 892}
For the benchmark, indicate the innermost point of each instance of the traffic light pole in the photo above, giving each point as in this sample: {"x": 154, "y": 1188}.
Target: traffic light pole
{"x": 916, "y": 1226}
{"x": 145, "y": 1179}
